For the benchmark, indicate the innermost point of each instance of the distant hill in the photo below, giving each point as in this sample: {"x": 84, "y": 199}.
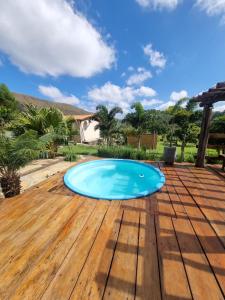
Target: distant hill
{"x": 67, "y": 109}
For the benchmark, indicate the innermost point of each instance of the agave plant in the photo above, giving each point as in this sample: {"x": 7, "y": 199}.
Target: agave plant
{"x": 14, "y": 154}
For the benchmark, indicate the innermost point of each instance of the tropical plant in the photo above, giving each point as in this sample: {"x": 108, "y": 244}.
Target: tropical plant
{"x": 8, "y": 106}
{"x": 54, "y": 137}
{"x": 14, "y": 154}
{"x": 138, "y": 120}
{"x": 38, "y": 119}
{"x": 107, "y": 123}
{"x": 72, "y": 127}
{"x": 185, "y": 119}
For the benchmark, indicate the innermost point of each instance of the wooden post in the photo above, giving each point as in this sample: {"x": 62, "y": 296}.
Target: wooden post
{"x": 204, "y": 135}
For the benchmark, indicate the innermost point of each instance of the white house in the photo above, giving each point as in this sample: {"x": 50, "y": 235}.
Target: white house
{"x": 86, "y": 125}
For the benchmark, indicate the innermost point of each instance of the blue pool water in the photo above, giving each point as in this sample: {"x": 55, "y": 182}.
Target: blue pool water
{"x": 114, "y": 179}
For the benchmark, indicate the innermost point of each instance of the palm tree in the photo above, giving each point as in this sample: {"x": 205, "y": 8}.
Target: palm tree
{"x": 41, "y": 119}
{"x": 138, "y": 120}
{"x": 14, "y": 154}
{"x": 107, "y": 124}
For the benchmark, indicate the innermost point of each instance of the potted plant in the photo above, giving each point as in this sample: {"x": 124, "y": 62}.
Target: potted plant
{"x": 170, "y": 151}
{"x": 14, "y": 154}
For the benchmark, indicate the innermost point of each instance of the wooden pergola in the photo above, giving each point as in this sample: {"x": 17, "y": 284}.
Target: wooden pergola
{"x": 207, "y": 100}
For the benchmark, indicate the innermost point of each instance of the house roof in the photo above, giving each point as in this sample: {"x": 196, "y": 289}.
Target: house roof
{"x": 82, "y": 117}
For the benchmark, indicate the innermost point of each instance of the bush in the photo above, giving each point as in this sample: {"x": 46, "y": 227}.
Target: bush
{"x": 70, "y": 156}
{"x": 69, "y": 153}
{"x": 127, "y": 153}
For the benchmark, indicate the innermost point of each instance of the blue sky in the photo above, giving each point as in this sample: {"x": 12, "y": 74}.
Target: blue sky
{"x": 112, "y": 52}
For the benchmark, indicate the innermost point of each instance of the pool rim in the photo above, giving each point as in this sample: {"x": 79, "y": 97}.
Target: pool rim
{"x": 150, "y": 166}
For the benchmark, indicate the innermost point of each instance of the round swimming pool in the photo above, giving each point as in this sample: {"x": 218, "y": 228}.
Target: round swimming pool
{"x": 114, "y": 179}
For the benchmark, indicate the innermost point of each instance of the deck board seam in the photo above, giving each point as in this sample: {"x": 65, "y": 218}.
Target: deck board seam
{"x": 197, "y": 205}
{"x": 112, "y": 259}
{"x": 91, "y": 247}
{"x": 138, "y": 251}
{"x": 185, "y": 270}
{"x": 91, "y": 212}
{"x": 157, "y": 252}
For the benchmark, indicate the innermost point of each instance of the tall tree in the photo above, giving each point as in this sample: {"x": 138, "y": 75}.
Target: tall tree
{"x": 107, "y": 123}
{"x": 185, "y": 117}
{"x": 8, "y": 105}
{"x": 138, "y": 120}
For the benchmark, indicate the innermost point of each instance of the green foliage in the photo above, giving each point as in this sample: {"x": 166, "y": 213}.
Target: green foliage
{"x": 8, "y": 105}
{"x": 184, "y": 124}
{"x": 17, "y": 152}
{"x": 127, "y": 153}
{"x": 39, "y": 119}
{"x": 157, "y": 121}
{"x": 107, "y": 124}
{"x": 69, "y": 154}
{"x": 218, "y": 124}
{"x": 72, "y": 127}
{"x": 138, "y": 120}
{"x": 78, "y": 150}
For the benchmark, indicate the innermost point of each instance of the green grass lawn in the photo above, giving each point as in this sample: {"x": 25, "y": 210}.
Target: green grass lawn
{"x": 79, "y": 149}
{"x": 156, "y": 154}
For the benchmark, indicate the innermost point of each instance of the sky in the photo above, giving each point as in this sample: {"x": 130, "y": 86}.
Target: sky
{"x": 112, "y": 52}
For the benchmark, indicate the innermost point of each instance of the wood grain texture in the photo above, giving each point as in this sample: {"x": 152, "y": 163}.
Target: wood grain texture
{"x": 170, "y": 245}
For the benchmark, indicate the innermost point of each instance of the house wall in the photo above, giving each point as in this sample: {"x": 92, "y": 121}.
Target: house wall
{"x": 87, "y": 131}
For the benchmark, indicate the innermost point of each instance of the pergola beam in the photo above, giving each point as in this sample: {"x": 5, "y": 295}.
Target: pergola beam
{"x": 204, "y": 136}
{"x": 207, "y": 99}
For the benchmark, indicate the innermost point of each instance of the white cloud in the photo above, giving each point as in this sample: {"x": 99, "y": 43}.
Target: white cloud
{"x": 146, "y": 91}
{"x": 130, "y": 69}
{"x": 212, "y": 7}
{"x": 159, "y": 4}
{"x": 56, "y": 95}
{"x": 176, "y": 96}
{"x": 220, "y": 106}
{"x": 50, "y": 38}
{"x": 139, "y": 77}
{"x": 110, "y": 94}
{"x": 156, "y": 58}
{"x": 152, "y": 102}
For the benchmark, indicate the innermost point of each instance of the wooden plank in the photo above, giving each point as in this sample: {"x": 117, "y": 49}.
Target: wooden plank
{"x": 212, "y": 213}
{"x": 59, "y": 227}
{"x": 202, "y": 281}
{"x": 165, "y": 207}
{"x": 122, "y": 277}
{"x": 71, "y": 267}
{"x": 19, "y": 225}
{"x": 175, "y": 200}
{"x": 148, "y": 278}
{"x": 174, "y": 283}
{"x": 80, "y": 225}
{"x": 210, "y": 242}
{"x": 11, "y": 214}
{"x": 16, "y": 238}
{"x": 86, "y": 286}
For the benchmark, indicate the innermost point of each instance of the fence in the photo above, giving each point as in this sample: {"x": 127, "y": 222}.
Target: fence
{"x": 149, "y": 141}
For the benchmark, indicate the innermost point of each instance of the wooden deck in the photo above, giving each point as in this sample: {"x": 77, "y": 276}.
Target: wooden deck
{"x": 58, "y": 245}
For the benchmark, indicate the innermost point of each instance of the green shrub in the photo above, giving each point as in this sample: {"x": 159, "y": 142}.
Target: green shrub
{"x": 70, "y": 156}
{"x": 127, "y": 153}
{"x": 69, "y": 153}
